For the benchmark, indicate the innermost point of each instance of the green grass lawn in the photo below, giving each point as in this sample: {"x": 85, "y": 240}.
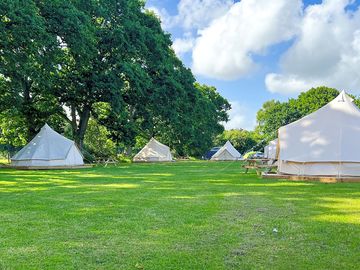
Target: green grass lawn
{"x": 182, "y": 215}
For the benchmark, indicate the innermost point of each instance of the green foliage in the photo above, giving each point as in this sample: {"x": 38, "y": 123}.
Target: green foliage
{"x": 193, "y": 131}
{"x": 122, "y": 158}
{"x": 98, "y": 142}
{"x": 242, "y": 140}
{"x": 105, "y": 60}
{"x": 12, "y": 133}
{"x": 27, "y": 52}
{"x": 315, "y": 98}
{"x": 275, "y": 114}
{"x": 12, "y": 129}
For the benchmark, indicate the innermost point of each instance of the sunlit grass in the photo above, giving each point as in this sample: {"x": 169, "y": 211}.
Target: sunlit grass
{"x": 182, "y": 215}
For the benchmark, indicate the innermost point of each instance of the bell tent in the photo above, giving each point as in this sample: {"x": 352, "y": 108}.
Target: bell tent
{"x": 325, "y": 142}
{"x": 48, "y": 149}
{"x": 153, "y": 151}
{"x": 271, "y": 149}
{"x": 227, "y": 152}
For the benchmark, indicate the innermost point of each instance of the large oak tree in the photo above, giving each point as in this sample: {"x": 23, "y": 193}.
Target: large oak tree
{"x": 108, "y": 59}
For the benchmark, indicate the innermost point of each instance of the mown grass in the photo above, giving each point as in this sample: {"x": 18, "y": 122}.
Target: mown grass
{"x": 184, "y": 215}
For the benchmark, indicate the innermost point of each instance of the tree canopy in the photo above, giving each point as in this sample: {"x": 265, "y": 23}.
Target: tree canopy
{"x": 242, "y": 140}
{"x": 68, "y": 61}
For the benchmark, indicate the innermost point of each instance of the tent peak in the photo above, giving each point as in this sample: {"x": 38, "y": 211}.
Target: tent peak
{"x": 46, "y": 126}
{"x": 343, "y": 96}
{"x": 47, "y": 129}
{"x": 228, "y": 142}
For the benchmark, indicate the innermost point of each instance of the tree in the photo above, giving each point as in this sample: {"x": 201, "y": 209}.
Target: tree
{"x": 205, "y": 122}
{"x": 27, "y": 54}
{"x": 315, "y": 98}
{"x": 107, "y": 60}
{"x": 275, "y": 114}
{"x": 97, "y": 140}
{"x": 241, "y": 139}
{"x": 161, "y": 99}
{"x": 82, "y": 79}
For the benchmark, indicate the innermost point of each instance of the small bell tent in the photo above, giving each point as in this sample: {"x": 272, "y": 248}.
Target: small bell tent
{"x": 271, "y": 149}
{"x": 153, "y": 151}
{"x": 48, "y": 149}
{"x": 227, "y": 152}
{"x": 323, "y": 143}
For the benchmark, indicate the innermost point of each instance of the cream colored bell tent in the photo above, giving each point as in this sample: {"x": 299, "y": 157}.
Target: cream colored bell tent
{"x": 48, "y": 149}
{"x": 227, "y": 152}
{"x": 270, "y": 149}
{"x": 326, "y": 142}
{"x": 153, "y": 151}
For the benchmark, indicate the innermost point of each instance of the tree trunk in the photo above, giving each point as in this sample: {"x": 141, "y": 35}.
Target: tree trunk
{"x": 128, "y": 151}
{"x": 84, "y": 120}
{"x": 28, "y": 110}
{"x": 73, "y": 121}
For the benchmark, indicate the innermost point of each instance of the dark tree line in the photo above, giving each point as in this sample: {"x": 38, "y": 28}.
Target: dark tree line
{"x": 67, "y": 61}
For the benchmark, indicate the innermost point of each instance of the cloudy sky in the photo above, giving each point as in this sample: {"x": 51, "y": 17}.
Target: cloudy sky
{"x": 256, "y": 50}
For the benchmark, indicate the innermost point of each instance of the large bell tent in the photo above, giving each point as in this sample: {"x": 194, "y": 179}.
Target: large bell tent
{"x": 48, "y": 149}
{"x": 325, "y": 142}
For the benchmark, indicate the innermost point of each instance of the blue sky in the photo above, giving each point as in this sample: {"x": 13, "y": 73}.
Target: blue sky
{"x": 256, "y": 50}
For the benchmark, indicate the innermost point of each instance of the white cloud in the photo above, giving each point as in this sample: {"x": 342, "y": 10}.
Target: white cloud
{"x": 326, "y": 52}
{"x": 225, "y": 36}
{"x": 193, "y": 14}
{"x": 287, "y": 84}
{"x": 196, "y": 14}
{"x": 224, "y": 49}
{"x": 238, "y": 117}
{"x": 183, "y": 45}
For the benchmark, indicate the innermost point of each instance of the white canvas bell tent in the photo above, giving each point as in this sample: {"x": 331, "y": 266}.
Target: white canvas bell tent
{"x": 271, "y": 149}
{"x": 325, "y": 142}
{"x": 48, "y": 149}
{"x": 227, "y": 152}
{"x": 153, "y": 151}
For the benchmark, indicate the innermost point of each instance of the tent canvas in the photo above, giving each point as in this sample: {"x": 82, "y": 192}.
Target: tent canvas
{"x": 153, "y": 151}
{"x": 48, "y": 149}
{"x": 271, "y": 149}
{"x": 325, "y": 142}
{"x": 227, "y": 152}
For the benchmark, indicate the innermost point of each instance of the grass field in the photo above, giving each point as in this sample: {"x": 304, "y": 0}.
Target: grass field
{"x": 184, "y": 215}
